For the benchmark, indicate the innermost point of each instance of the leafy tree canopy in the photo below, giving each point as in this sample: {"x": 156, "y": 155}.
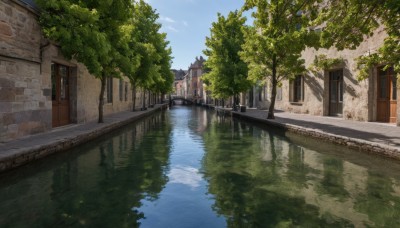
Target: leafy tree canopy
{"x": 348, "y": 22}
{"x": 281, "y": 32}
{"x": 165, "y": 82}
{"x": 92, "y": 32}
{"x": 226, "y": 71}
{"x": 145, "y": 40}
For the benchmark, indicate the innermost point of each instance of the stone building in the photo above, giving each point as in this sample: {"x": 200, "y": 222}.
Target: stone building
{"x": 194, "y": 84}
{"x": 336, "y": 92}
{"x": 178, "y": 83}
{"x": 41, "y": 90}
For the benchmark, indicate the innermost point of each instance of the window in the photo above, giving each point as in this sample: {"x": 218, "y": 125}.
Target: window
{"x": 126, "y": 91}
{"x": 297, "y": 89}
{"x": 109, "y": 87}
{"x": 59, "y": 82}
{"x": 121, "y": 89}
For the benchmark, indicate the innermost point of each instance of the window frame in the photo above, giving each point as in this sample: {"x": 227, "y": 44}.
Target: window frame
{"x": 297, "y": 89}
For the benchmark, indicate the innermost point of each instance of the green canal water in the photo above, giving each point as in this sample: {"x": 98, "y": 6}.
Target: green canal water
{"x": 188, "y": 167}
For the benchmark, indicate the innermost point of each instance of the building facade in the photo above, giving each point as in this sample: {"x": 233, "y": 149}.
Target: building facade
{"x": 39, "y": 88}
{"x": 192, "y": 84}
{"x": 336, "y": 91}
{"x": 179, "y": 89}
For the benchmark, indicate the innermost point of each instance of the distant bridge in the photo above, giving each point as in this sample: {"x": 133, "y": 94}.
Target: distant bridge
{"x": 182, "y": 98}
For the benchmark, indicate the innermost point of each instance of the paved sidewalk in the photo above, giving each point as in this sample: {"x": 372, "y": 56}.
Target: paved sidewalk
{"x": 378, "y": 138}
{"x": 24, "y": 150}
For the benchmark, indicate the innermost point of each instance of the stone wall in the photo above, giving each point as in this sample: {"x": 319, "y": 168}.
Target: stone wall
{"x": 359, "y": 99}
{"x": 25, "y": 105}
{"x": 25, "y": 78}
{"x": 19, "y": 32}
{"x": 85, "y": 88}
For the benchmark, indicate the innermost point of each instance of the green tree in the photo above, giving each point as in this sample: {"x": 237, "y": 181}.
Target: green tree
{"x": 251, "y": 192}
{"x": 226, "y": 73}
{"x": 93, "y": 33}
{"x": 166, "y": 86}
{"x": 349, "y": 21}
{"x": 145, "y": 35}
{"x": 164, "y": 83}
{"x": 273, "y": 46}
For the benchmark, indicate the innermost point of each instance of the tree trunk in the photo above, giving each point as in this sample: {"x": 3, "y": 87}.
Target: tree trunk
{"x": 101, "y": 98}
{"x": 274, "y": 85}
{"x": 134, "y": 98}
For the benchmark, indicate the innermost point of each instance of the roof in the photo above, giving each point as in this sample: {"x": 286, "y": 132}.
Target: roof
{"x": 179, "y": 74}
{"x": 30, "y": 3}
{"x": 198, "y": 63}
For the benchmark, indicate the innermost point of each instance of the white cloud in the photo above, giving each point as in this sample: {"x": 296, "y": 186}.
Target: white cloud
{"x": 167, "y": 19}
{"x": 172, "y": 29}
{"x": 185, "y": 175}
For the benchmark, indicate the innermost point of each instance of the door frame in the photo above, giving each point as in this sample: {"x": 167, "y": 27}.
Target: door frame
{"x": 57, "y": 103}
{"x": 340, "y": 89}
{"x": 390, "y": 77}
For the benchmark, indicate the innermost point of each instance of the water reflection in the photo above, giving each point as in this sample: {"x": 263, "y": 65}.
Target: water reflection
{"x": 99, "y": 185}
{"x": 192, "y": 168}
{"x": 264, "y": 179}
{"x": 185, "y": 175}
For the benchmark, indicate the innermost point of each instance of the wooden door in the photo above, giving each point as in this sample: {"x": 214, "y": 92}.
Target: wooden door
{"x": 60, "y": 94}
{"x": 387, "y": 96}
{"x": 336, "y": 93}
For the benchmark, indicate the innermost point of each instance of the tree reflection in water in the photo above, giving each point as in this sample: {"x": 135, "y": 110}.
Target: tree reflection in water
{"x": 99, "y": 185}
{"x": 247, "y": 177}
{"x": 262, "y": 179}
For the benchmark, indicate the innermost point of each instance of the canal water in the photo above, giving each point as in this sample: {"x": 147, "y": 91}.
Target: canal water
{"x": 189, "y": 167}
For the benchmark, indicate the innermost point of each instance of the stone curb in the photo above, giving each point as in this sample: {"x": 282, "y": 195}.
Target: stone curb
{"x": 23, "y": 156}
{"x": 353, "y": 143}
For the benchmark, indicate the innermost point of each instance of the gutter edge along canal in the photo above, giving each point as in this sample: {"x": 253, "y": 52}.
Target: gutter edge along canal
{"x": 16, "y": 156}
{"x": 365, "y": 146}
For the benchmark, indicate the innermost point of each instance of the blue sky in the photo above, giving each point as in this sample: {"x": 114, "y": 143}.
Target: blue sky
{"x": 187, "y": 23}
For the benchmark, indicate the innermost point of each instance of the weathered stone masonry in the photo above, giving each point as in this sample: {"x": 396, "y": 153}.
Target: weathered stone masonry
{"x": 25, "y": 103}
{"x": 359, "y": 97}
{"x": 26, "y": 60}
